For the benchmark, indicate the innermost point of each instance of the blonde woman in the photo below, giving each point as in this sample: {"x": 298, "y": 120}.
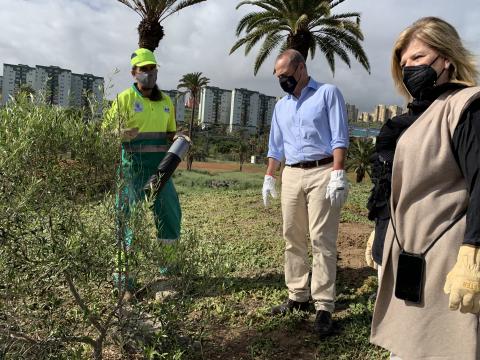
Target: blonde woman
{"x": 429, "y": 296}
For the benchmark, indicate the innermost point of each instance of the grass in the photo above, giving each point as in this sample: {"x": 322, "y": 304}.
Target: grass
{"x": 234, "y": 249}
{"x": 187, "y": 181}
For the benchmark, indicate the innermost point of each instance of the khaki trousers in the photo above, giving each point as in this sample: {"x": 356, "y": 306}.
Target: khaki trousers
{"x": 306, "y": 212}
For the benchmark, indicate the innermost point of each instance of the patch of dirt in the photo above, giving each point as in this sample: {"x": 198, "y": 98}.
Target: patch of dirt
{"x": 352, "y": 239}
{"x": 223, "y": 166}
{"x": 243, "y": 344}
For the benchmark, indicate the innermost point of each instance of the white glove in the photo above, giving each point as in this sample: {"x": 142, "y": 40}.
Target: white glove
{"x": 268, "y": 187}
{"x": 337, "y": 189}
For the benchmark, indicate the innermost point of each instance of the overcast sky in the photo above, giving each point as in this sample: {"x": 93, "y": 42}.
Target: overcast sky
{"x": 98, "y": 36}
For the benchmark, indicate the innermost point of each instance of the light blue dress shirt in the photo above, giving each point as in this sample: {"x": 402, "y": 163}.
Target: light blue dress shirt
{"x": 310, "y": 127}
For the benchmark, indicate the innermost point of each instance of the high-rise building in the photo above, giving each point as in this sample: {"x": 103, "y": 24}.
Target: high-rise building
{"x": 215, "y": 106}
{"x": 394, "y": 110}
{"x": 1, "y": 90}
{"x": 14, "y": 77}
{"x": 53, "y": 85}
{"x": 245, "y": 110}
{"x": 380, "y": 114}
{"x": 352, "y": 112}
{"x": 178, "y": 100}
{"x": 86, "y": 90}
{"x": 267, "y": 105}
{"x": 365, "y": 117}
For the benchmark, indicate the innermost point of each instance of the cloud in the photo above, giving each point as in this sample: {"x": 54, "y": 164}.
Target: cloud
{"x": 98, "y": 36}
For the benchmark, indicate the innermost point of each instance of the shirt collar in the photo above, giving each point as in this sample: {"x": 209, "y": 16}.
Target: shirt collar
{"x": 134, "y": 87}
{"x": 312, "y": 84}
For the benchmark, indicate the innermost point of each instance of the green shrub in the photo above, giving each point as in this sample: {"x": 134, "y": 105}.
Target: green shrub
{"x": 58, "y": 242}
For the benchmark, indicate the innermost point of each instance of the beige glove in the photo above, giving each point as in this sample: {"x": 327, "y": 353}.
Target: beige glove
{"x": 368, "y": 251}
{"x": 463, "y": 281}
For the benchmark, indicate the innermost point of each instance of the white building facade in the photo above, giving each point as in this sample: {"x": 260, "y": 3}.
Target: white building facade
{"x": 53, "y": 85}
{"x": 178, "y": 100}
{"x": 244, "y": 110}
{"x": 14, "y": 76}
{"x": 214, "y": 107}
{"x": 267, "y": 106}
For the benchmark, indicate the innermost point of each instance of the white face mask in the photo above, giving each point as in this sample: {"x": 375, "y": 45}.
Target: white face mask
{"x": 147, "y": 79}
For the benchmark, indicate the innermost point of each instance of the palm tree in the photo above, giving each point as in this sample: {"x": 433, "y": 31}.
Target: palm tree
{"x": 302, "y": 25}
{"x": 192, "y": 83}
{"x": 358, "y": 157}
{"x": 153, "y": 12}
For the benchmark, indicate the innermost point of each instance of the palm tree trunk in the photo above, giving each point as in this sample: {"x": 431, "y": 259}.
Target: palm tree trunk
{"x": 300, "y": 42}
{"x": 360, "y": 175}
{"x": 149, "y": 34}
{"x": 190, "y": 130}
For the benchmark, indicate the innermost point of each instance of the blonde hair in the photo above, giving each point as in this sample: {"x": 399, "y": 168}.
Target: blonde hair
{"x": 442, "y": 37}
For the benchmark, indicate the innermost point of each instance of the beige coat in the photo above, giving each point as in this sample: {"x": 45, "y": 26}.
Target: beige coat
{"x": 428, "y": 192}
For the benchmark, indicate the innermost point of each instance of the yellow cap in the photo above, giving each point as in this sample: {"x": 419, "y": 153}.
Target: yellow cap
{"x": 142, "y": 57}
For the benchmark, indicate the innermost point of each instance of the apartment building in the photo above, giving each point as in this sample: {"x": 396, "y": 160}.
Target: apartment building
{"x": 214, "y": 106}
{"x": 53, "y": 85}
{"x": 178, "y": 100}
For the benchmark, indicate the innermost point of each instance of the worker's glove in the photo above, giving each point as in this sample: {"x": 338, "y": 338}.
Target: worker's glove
{"x": 337, "y": 189}
{"x": 463, "y": 281}
{"x": 368, "y": 251}
{"x": 268, "y": 188}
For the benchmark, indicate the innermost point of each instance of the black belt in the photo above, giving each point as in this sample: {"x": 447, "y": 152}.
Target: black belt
{"x": 312, "y": 164}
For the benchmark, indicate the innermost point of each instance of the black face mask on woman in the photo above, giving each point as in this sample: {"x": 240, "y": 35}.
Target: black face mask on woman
{"x": 418, "y": 78}
{"x": 288, "y": 83}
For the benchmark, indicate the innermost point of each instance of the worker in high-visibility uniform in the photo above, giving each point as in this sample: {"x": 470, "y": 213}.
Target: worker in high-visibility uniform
{"x": 146, "y": 119}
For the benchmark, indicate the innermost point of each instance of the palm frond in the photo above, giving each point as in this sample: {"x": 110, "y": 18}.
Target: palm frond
{"x": 310, "y": 25}
{"x": 270, "y": 43}
{"x": 180, "y": 6}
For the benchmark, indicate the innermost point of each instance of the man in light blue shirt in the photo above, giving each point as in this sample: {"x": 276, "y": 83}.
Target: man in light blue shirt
{"x": 310, "y": 132}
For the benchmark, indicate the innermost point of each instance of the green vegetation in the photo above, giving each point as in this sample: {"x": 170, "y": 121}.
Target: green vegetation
{"x": 58, "y": 250}
{"x": 358, "y": 157}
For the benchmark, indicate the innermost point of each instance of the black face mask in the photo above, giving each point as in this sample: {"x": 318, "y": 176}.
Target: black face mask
{"x": 418, "y": 78}
{"x": 288, "y": 83}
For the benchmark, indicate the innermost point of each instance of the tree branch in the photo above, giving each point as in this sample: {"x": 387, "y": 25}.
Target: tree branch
{"x": 82, "y": 305}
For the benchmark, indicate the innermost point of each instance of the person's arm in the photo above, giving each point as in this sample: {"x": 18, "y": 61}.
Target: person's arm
{"x": 275, "y": 146}
{"x": 272, "y": 166}
{"x": 337, "y": 188}
{"x": 116, "y": 119}
{"x": 466, "y": 148}
{"x": 463, "y": 281}
{"x": 339, "y": 158}
{"x": 172, "y": 124}
{"x": 338, "y": 121}
{"x": 109, "y": 123}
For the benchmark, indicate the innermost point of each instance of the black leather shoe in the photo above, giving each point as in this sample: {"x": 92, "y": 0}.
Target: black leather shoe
{"x": 323, "y": 325}
{"x": 290, "y": 306}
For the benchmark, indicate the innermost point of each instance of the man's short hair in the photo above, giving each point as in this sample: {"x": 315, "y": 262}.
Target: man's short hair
{"x": 294, "y": 57}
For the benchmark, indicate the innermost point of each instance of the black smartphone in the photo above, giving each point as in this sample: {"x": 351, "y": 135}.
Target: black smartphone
{"x": 410, "y": 273}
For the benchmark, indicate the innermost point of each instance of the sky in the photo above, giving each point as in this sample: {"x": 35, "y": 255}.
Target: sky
{"x": 98, "y": 37}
